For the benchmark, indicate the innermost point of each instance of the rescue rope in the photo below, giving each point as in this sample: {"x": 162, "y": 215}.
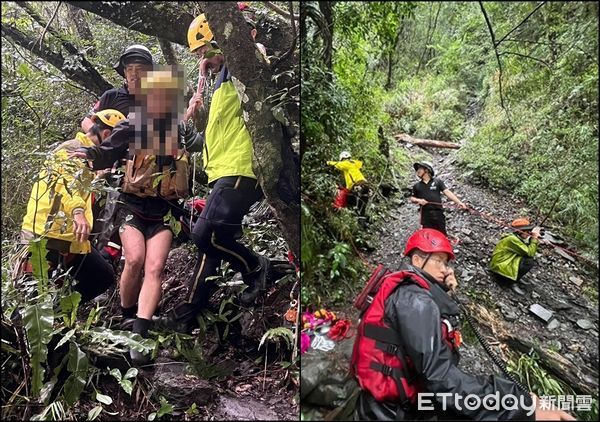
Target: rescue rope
{"x": 502, "y": 223}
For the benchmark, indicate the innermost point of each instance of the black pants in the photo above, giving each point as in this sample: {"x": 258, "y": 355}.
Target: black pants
{"x": 434, "y": 219}
{"x": 358, "y": 198}
{"x": 93, "y": 273}
{"x": 526, "y": 264}
{"x": 215, "y": 234}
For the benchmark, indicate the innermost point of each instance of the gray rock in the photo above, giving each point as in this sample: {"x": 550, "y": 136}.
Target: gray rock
{"x": 541, "y": 312}
{"x": 173, "y": 382}
{"x": 585, "y": 324}
{"x": 553, "y": 325}
{"x": 508, "y": 313}
{"x": 244, "y": 408}
{"x": 576, "y": 280}
{"x": 534, "y": 295}
{"x": 555, "y": 345}
{"x": 466, "y": 231}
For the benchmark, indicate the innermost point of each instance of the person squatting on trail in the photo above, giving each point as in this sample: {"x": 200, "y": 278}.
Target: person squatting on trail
{"x": 356, "y": 183}
{"x": 156, "y": 147}
{"x": 512, "y": 257}
{"x": 60, "y": 209}
{"x": 408, "y": 342}
{"x": 227, "y": 159}
{"x": 427, "y": 193}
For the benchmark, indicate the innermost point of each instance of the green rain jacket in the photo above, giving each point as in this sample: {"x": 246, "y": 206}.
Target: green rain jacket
{"x": 508, "y": 253}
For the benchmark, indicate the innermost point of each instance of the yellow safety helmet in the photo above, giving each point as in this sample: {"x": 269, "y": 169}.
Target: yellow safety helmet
{"x": 110, "y": 117}
{"x": 199, "y": 33}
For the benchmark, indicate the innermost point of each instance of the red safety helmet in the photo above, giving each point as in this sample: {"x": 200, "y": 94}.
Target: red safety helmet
{"x": 429, "y": 241}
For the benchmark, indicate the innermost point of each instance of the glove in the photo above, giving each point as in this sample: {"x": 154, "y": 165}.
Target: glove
{"x": 191, "y": 139}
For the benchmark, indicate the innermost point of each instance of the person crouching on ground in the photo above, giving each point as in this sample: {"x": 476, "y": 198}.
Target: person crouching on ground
{"x": 512, "y": 257}
{"x": 60, "y": 209}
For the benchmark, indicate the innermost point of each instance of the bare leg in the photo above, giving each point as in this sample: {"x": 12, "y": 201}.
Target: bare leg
{"x": 157, "y": 250}
{"x": 131, "y": 277}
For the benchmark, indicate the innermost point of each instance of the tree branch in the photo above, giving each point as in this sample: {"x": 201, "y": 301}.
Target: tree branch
{"x": 84, "y": 73}
{"x": 49, "y": 22}
{"x": 274, "y": 7}
{"x": 52, "y": 75}
{"x": 491, "y": 30}
{"x": 527, "y": 57}
{"x": 522, "y": 22}
{"x": 294, "y": 38}
{"x": 165, "y": 20}
{"x": 89, "y": 78}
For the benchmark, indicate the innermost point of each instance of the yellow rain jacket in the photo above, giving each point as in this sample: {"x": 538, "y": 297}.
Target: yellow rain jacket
{"x": 508, "y": 254}
{"x": 228, "y": 146}
{"x": 351, "y": 170}
{"x": 60, "y": 189}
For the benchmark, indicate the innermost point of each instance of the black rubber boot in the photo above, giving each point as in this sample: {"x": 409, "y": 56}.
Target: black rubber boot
{"x": 256, "y": 281}
{"x": 140, "y": 326}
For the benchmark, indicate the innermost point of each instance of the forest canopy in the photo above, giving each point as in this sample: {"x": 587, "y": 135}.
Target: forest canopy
{"x": 514, "y": 83}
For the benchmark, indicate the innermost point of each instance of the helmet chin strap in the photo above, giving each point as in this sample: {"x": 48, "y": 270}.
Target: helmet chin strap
{"x": 425, "y": 263}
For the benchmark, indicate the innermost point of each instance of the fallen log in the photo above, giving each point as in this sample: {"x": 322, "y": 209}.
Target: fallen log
{"x": 582, "y": 379}
{"x": 425, "y": 142}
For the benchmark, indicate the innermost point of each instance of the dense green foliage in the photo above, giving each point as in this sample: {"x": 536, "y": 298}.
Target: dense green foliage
{"x": 41, "y": 107}
{"x": 431, "y": 70}
{"x": 53, "y": 346}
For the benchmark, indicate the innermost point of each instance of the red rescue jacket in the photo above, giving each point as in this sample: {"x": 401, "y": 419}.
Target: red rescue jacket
{"x": 379, "y": 361}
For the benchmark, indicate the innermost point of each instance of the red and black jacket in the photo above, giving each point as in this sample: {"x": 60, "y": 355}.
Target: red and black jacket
{"x": 425, "y": 359}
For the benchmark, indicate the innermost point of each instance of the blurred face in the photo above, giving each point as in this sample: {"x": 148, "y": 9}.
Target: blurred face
{"x": 436, "y": 266}
{"x": 133, "y": 74}
{"x": 420, "y": 172}
{"x": 161, "y": 101}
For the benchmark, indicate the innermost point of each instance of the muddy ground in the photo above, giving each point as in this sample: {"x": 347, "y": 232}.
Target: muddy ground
{"x": 568, "y": 289}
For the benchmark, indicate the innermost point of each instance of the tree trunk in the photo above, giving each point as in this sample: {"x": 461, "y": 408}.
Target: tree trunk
{"x": 583, "y": 379}
{"x": 425, "y": 142}
{"x": 167, "y": 20}
{"x": 87, "y": 76}
{"x": 327, "y": 10}
{"x": 275, "y": 163}
{"x": 77, "y": 17}
{"x": 167, "y": 50}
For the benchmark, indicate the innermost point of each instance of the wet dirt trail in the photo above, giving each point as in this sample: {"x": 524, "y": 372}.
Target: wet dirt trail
{"x": 568, "y": 289}
{"x": 557, "y": 284}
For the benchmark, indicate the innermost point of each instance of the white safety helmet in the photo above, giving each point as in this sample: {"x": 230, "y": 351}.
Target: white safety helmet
{"x": 344, "y": 155}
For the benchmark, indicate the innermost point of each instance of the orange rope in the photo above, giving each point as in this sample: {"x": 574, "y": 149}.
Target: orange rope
{"x": 503, "y": 223}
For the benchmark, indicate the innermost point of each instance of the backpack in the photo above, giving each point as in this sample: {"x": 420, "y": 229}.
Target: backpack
{"x": 379, "y": 361}
{"x": 152, "y": 176}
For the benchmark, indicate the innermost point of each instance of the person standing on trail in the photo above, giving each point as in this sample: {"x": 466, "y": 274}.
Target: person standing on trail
{"x": 406, "y": 352}
{"x": 427, "y": 193}
{"x": 357, "y": 187}
{"x": 133, "y": 62}
{"x": 512, "y": 257}
{"x": 227, "y": 157}
{"x": 155, "y": 146}
{"x": 60, "y": 210}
